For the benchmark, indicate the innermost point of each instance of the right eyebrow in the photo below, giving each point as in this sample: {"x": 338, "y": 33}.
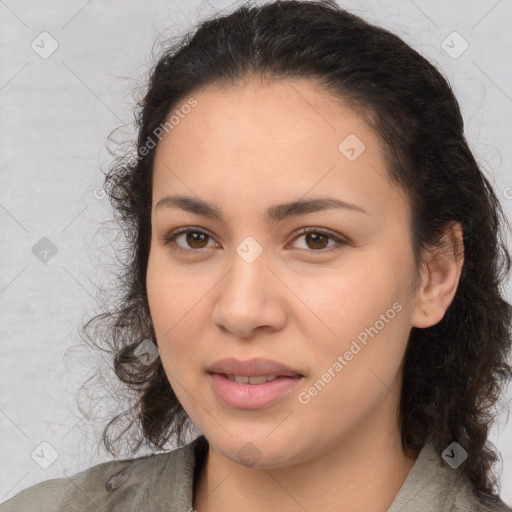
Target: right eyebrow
{"x": 192, "y": 205}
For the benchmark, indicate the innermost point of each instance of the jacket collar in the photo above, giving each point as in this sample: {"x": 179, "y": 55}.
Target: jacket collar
{"x": 430, "y": 485}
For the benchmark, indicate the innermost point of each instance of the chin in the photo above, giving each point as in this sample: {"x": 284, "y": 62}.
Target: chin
{"x": 257, "y": 452}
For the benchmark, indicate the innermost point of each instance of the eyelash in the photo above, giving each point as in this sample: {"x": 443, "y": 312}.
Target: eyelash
{"x": 168, "y": 239}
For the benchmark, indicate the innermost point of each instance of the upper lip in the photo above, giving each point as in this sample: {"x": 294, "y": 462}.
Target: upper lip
{"x": 252, "y": 367}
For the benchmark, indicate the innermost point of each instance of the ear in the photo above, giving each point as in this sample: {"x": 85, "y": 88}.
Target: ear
{"x": 441, "y": 274}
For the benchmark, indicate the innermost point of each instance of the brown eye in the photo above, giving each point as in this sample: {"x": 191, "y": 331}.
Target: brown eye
{"x": 188, "y": 240}
{"x": 196, "y": 240}
{"x": 316, "y": 240}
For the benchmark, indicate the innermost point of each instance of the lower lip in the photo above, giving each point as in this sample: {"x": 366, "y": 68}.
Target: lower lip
{"x": 252, "y": 396}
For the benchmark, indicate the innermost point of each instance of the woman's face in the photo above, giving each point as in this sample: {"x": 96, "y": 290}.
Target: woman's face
{"x": 333, "y": 306}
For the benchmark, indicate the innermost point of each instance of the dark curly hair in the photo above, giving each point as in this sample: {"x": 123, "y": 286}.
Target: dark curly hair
{"x": 454, "y": 371}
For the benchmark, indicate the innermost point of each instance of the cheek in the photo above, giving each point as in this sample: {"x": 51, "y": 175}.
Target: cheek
{"x": 164, "y": 290}
{"x": 342, "y": 304}
{"x": 176, "y": 302}
{"x": 166, "y": 298}
{"x": 175, "y": 308}
{"x": 365, "y": 315}
{"x": 356, "y": 369}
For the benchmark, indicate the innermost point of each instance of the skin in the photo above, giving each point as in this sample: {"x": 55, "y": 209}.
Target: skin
{"x": 245, "y": 149}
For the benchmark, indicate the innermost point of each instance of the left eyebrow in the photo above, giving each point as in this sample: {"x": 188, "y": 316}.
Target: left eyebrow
{"x": 279, "y": 212}
{"x": 273, "y": 214}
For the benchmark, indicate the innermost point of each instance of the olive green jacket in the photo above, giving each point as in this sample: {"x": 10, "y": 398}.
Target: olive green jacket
{"x": 164, "y": 482}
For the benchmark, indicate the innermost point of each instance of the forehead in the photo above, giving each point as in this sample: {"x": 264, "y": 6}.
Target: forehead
{"x": 271, "y": 140}
{"x": 272, "y": 115}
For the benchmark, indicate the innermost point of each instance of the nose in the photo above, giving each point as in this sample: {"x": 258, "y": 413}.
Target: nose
{"x": 249, "y": 298}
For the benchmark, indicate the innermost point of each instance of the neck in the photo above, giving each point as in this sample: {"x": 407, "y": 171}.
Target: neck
{"x": 362, "y": 471}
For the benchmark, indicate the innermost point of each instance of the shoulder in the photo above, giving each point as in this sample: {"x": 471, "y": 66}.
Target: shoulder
{"x": 433, "y": 486}
{"x": 464, "y": 499}
{"x": 467, "y": 501}
{"x": 145, "y": 483}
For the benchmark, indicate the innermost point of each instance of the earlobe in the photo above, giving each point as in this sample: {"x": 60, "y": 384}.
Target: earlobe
{"x": 441, "y": 279}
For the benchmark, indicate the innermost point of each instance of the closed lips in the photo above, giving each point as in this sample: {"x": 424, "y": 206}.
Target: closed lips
{"x": 252, "y": 384}
{"x": 252, "y": 371}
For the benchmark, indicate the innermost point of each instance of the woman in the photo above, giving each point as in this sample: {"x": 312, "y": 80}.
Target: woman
{"x": 316, "y": 255}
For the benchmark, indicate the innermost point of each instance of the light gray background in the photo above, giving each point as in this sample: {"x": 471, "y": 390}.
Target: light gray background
{"x": 56, "y": 114}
